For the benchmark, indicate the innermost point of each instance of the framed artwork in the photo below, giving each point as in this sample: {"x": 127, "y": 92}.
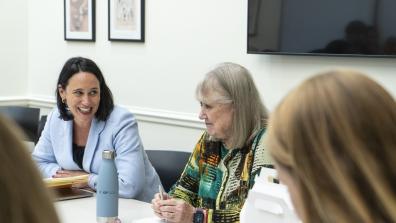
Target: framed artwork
{"x": 79, "y": 20}
{"x": 126, "y": 20}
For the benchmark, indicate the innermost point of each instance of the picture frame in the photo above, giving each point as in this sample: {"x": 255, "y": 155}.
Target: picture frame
{"x": 126, "y": 20}
{"x": 79, "y": 20}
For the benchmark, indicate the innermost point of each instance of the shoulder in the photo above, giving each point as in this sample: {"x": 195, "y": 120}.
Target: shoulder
{"x": 203, "y": 141}
{"x": 120, "y": 114}
{"x": 261, "y": 156}
{"x": 118, "y": 111}
{"x": 261, "y": 153}
{"x": 260, "y": 137}
{"x": 200, "y": 145}
{"x": 54, "y": 116}
{"x": 121, "y": 119}
{"x": 204, "y": 136}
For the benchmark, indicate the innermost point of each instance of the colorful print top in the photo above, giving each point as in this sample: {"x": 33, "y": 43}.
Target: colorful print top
{"x": 218, "y": 179}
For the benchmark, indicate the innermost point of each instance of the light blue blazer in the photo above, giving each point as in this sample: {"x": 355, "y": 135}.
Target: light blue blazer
{"x": 137, "y": 177}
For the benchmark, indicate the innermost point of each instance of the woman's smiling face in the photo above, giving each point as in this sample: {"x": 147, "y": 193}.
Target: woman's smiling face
{"x": 82, "y": 95}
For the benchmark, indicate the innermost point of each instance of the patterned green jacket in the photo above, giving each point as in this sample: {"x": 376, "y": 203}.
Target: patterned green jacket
{"x": 218, "y": 180}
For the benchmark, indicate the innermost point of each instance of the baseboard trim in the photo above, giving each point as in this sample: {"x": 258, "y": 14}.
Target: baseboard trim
{"x": 164, "y": 117}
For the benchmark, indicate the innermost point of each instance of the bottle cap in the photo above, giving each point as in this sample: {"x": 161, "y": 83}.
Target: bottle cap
{"x": 108, "y": 154}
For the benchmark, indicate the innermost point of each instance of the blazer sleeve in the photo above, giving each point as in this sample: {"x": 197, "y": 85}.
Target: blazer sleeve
{"x": 43, "y": 152}
{"x": 129, "y": 157}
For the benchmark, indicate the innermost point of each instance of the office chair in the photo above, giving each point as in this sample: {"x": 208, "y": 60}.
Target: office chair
{"x": 26, "y": 118}
{"x": 41, "y": 125}
{"x": 168, "y": 164}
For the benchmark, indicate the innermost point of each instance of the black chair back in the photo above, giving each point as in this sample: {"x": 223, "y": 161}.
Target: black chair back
{"x": 41, "y": 125}
{"x": 168, "y": 164}
{"x": 27, "y": 119}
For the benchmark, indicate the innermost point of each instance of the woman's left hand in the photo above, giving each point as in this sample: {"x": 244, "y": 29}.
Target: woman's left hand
{"x": 177, "y": 211}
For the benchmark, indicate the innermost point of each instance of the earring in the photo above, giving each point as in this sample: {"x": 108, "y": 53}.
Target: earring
{"x": 66, "y": 106}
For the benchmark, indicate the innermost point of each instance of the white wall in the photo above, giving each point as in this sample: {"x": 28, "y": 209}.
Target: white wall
{"x": 13, "y": 48}
{"x": 184, "y": 39}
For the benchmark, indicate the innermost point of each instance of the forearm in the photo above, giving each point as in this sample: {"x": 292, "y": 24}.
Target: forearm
{"x": 46, "y": 167}
{"x": 49, "y": 170}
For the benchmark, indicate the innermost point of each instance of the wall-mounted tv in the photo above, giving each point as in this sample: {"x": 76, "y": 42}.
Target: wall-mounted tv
{"x": 322, "y": 27}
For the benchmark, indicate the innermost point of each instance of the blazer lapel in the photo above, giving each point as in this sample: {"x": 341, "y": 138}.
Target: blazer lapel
{"x": 92, "y": 143}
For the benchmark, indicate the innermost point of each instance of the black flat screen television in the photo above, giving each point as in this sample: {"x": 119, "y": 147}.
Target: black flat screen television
{"x": 322, "y": 27}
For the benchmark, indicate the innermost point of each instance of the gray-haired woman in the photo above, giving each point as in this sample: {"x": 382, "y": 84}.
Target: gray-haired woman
{"x": 228, "y": 155}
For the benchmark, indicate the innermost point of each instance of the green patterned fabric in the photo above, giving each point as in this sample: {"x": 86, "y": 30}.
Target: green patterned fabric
{"x": 218, "y": 179}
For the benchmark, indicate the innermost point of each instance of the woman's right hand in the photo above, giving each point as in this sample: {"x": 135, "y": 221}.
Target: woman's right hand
{"x": 156, "y": 204}
{"x": 176, "y": 210}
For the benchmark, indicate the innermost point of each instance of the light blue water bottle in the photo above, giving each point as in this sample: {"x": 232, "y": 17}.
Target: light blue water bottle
{"x": 107, "y": 189}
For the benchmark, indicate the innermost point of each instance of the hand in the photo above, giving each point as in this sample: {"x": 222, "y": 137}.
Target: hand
{"x": 176, "y": 210}
{"x": 156, "y": 205}
{"x": 81, "y": 183}
{"x": 69, "y": 173}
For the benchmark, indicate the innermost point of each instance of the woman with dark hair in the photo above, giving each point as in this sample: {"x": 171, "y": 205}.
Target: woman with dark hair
{"x": 85, "y": 123}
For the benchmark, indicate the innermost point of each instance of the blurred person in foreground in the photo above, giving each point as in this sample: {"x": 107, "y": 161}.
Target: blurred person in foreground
{"x": 333, "y": 141}
{"x": 86, "y": 122}
{"x": 228, "y": 156}
{"x": 23, "y": 195}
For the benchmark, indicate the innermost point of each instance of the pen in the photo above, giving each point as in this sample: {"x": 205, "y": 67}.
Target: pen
{"x": 161, "y": 192}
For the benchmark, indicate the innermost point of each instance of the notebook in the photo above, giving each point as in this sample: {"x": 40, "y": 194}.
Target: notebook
{"x": 63, "y": 190}
{"x": 68, "y": 193}
{"x": 64, "y": 182}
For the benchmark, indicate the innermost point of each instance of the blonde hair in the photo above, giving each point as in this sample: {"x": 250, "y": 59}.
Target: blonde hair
{"x": 23, "y": 196}
{"x": 234, "y": 84}
{"x": 336, "y": 136}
